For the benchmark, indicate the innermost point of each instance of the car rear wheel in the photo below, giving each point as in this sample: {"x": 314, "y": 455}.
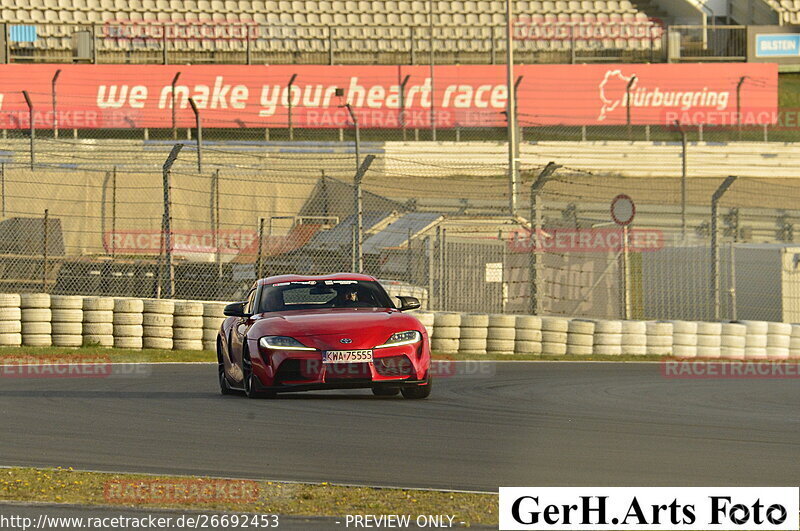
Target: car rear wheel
{"x": 417, "y": 392}
{"x": 385, "y": 391}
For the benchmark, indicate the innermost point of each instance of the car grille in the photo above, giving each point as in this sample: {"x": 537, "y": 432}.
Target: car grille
{"x": 293, "y": 370}
{"x": 394, "y": 366}
{"x": 347, "y": 371}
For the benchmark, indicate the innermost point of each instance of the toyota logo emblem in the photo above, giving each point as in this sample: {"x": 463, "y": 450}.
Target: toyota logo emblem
{"x": 345, "y": 340}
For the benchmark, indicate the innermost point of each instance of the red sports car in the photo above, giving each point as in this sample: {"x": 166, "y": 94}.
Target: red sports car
{"x": 342, "y": 331}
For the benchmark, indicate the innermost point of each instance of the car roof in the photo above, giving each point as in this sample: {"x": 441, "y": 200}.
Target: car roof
{"x": 301, "y": 278}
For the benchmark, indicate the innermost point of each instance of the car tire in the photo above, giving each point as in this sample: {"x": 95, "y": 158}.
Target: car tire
{"x": 224, "y": 386}
{"x": 385, "y": 391}
{"x": 417, "y": 392}
{"x": 250, "y": 381}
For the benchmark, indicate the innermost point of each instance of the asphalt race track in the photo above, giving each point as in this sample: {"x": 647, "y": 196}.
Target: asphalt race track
{"x": 515, "y": 424}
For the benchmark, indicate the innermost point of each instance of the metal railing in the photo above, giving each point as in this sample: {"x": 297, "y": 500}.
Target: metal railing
{"x": 557, "y": 42}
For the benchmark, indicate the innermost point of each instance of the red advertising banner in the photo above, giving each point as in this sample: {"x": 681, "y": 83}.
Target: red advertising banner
{"x": 135, "y": 96}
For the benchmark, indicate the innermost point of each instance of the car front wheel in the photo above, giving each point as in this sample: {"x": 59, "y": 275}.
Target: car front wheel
{"x": 417, "y": 392}
{"x": 385, "y": 391}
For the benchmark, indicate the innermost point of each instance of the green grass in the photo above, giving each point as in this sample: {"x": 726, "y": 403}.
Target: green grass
{"x": 60, "y": 485}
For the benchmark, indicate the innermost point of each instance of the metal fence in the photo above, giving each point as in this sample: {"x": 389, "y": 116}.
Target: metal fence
{"x": 105, "y": 217}
{"x": 237, "y": 43}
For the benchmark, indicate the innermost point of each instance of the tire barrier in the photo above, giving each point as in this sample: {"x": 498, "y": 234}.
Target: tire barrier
{"x": 528, "y": 335}
{"x": 67, "y": 320}
{"x": 794, "y": 343}
{"x": 580, "y": 337}
{"x": 426, "y": 318}
{"x": 36, "y": 318}
{"x": 157, "y": 322}
{"x": 755, "y": 340}
{"x": 684, "y": 339}
{"x": 187, "y": 326}
{"x": 779, "y": 339}
{"x": 554, "y": 335}
{"x": 98, "y": 321}
{"x": 732, "y": 341}
{"x": 634, "y": 338}
{"x": 213, "y": 315}
{"x": 473, "y": 333}
{"x": 501, "y": 334}
{"x": 608, "y": 338}
{"x": 127, "y": 321}
{"x": 10, "y": 320}
{"x": 709, "y": 340}
{"x": 446, "y": 331}
{"x": 659, "y": 338}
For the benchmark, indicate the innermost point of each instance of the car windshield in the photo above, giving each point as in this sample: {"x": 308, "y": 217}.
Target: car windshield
{"x": 313, "y": 294}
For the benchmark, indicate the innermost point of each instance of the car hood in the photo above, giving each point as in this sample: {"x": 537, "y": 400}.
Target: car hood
{"x": 325, "y": 328}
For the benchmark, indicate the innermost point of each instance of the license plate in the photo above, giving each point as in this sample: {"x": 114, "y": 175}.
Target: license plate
{"x": 347, "y": 356}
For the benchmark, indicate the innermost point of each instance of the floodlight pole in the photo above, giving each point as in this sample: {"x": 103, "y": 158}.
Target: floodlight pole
{"x": 714, "y": 243}
{"x": 536, "y": 229}
{"x": 739, "y": 106}
{"x": 174, "y": 116}
{"x": 199, "y": 126}
{"x": 510, "y": 112}
{"x": 55, "y": 114}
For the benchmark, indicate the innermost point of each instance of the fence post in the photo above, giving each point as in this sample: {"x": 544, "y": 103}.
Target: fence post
{"x": 199, "y": 125}
{"x": 714, "y": 243}
{"x": 683, "y": 179}
{"x": 359, "y": 207}
{"x": 289, "y": 102}
{"x": 44, "y": 251}
{"x": 259, "y": 262}
{"x": 113, "y": 210}
{"x": 628, "y": 87}
{"x": 174, "y": 117}
{"x": 55, "y": 113}
{"x": 167, "y": 222}
{"x": 215, "y": 220}
{"x": 536, "y": 225}
{"x": 3, "y": 189}
{"x": 32, "y": 128}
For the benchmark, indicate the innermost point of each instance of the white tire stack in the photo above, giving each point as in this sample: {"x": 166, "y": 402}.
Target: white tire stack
{"x": 157, "y": 320}
{"x": 733, "y": 341}
{"x": 755, "y": 340}
{"x": 634, "y": 338}
{"x": 794, "y": 343}
{"x": 779, "y": 339}
{"x": 213, "y": 315}
{"x": 554, "y": 336}
{"x": 709, "y": 340}
{"x": 446, "y": 331}
{"x": 580, "y": 337}
{"x": 608, "y": 338}
{"x": 426, "y": 318}
{"x": 36, "y": 316}
{"x": 501, "y": 334}
{"x": 528, "y": 335}
{"x": 98, "y": 321}
{"x": 67, "y": 320}
{"x": 127, "y": 321}
{"x": 684, "y": 339}
{"x": 10, "y": 320}
{"x": 187, "y": 326}
{"x": 474, "y": 331}
{"x": 659, "y": 338}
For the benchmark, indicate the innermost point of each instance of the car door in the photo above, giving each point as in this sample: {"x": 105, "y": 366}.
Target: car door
{"x": 240, "y": 328}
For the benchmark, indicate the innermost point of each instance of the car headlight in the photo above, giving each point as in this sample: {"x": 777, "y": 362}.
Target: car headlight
{"x": 402, "y": 338}
{"x": 282, "y": 343}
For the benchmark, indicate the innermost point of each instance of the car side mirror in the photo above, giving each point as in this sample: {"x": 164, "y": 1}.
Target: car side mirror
{"x": 408, "y": 303}
{"x": 236, "y": 310}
